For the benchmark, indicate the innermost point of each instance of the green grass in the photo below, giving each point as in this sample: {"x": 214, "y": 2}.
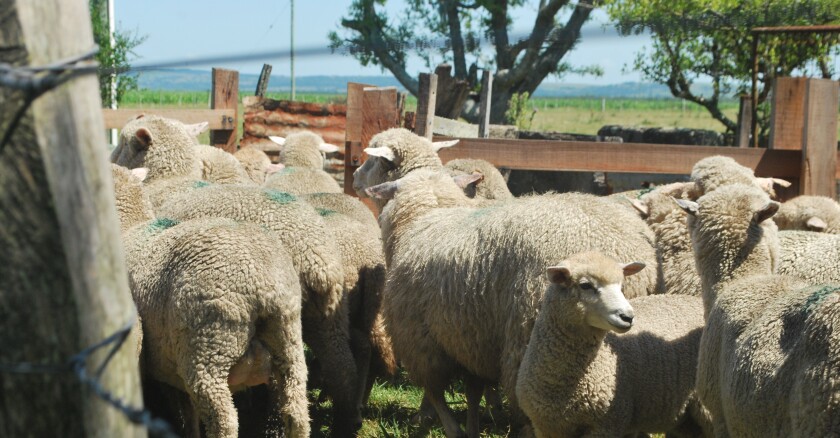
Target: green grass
{"x": 391, "y": 407}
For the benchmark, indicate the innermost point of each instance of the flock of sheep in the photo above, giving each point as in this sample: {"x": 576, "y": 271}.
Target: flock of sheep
{"x": 695, "y": 309}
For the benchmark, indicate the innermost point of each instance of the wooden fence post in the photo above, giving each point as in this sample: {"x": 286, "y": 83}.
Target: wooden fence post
{"x": 484, "y": 108}
{"x": 426, "y": 101}
{"x": 742, "y": 137}
{"x": 804, "y": 117}
{"x": 262, "y": 83}
{"x": 225, "y": 95}
{"x": 63, "y": 280}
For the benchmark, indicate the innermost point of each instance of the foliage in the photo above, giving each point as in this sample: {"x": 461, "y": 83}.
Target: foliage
{"x": 520, "y": 112}
{"x": 113, "y": 58}
{"x": 711, "y": 40}
{"x": 454, "y": 31}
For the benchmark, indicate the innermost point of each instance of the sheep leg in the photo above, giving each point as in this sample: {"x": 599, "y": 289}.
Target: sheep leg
{"x": 211, "y": 352}
{"x": 493, "y": 400}
{"x": 474, "y": 388}
{"x": 362, "y": 355}
{"x": 434, "y": 393}
{"x": 329, "y": 339}
{"x": 426, "y": 412}
{"x": 283, "y": 339}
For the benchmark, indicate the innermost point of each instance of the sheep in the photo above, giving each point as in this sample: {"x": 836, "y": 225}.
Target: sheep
{"x": 674, "y": 256}
{"x": 464, "y": 283}
{"x": 579, "y": 379}
{"x": 256, "y": 164}
{"x": 218, "y": 166}
{"x": 769, "y": 363}
{"x": 492, "y": 187}
{"x": 344, "y": 204}
{"x": 220, "y": 304}
{"x": 302, "y": 154}
{"x": 717, "y": 171}
{"x": 811, "y": 213}
{"x": 812, "y": 256}
{"x": 317, "y": 259}
{"x": 394, "y": 153}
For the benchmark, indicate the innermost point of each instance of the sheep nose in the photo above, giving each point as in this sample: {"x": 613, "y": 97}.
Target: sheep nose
{"x": 626, "y": 317}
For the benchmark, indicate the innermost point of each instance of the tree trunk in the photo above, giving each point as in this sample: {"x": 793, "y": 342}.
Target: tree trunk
{"x": 63, "y": 283}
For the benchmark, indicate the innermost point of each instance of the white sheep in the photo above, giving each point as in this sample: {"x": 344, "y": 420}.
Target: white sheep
{"x": 317, "y": 258}
{"x": 811, "y": 213}
{"x": 769, "y": 362}
{"x": 716, "y": 171}
{"x": 220, "y": 304}
{"x": 811, "y": 256}
{"x": 577, "y": 378}
{"x": 464, "y": 283}
{"x": 492, "y": 187}
{"x": 303, "y": 155}
{"x": 256, "y": 164}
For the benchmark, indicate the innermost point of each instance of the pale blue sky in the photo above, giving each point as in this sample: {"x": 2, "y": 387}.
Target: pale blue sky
{"x": 193, "y": 29}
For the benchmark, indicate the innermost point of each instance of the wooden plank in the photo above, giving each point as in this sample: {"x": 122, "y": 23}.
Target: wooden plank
{"x": 426, "y": 101}
{"x": 819, "y": 153}
{"x": 744, "y": 121}
{"x": 63, "y": 281}
{"x": 217, "y": 118}
{"x": 454, "y": 128}
{"x": 379, "y": 112}
{"x": 787, "y": 118}
{"x": 353, "y": 155}
{"x": 262, "y": 83}
{"x": 616, "y": 157}
{"x": 225, "y": 95}
{"x": 484, "y": 108}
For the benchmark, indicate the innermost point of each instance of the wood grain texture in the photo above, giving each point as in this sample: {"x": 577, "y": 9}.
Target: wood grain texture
{"x": 353, "y": 155}
{"x": 819, "y": 153}
{"x": 426, "y": 101}
{"x": 217, "y": 118}
{"x": 616, "y": 157}
{"x": 484, "y": 105}
{"x": 225, "y": 95}
{"x": 744, "y": 121}
{"x": 62, "y": 270}
{"x": 787, "y": 118}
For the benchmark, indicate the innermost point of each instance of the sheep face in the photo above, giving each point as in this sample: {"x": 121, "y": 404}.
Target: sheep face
{"x": 592, "y": 282}
{"x": 375, "y": 171}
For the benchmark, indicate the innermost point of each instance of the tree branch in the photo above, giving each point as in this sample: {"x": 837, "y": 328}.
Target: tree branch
{"x": 543, "y": 25}
{"x": 563, "y": 39}
{"x": 498, "y": 27}
{"x": 449, "y": 14}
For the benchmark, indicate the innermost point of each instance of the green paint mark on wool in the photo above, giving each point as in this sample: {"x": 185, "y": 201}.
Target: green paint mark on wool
{"x": 288, "y": 171}
{"x": 644, "y": 192}
{"x": 281, "y": 197}
{"x": 200, "y": 184}
{"x": 482, "y": 211}
{"x": 324, "y": 212}
{"x": 819, "y": 296}
{"x": 161, "y": 224}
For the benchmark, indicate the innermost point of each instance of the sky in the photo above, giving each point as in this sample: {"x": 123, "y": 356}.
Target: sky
{"x": 192, "y": 29}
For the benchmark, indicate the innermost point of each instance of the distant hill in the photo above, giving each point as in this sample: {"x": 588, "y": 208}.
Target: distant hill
{"x": 198, "y": 80}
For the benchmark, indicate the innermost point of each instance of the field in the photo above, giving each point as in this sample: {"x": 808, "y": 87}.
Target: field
{"x": 575, "y": 115}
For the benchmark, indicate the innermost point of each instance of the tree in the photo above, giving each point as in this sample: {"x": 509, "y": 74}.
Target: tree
{"x": 114, "y": 57}
{"x": 451, "y": 31}
{"x": 711, "y": 40}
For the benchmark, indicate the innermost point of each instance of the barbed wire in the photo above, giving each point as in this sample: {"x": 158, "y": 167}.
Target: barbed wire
{"x": 78, "y": 366}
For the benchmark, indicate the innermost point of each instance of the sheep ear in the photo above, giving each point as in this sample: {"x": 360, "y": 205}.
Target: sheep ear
{"x": 781, "y": 182}
{"x": 640, "y": 207}
{"x": 274, "y": 168}
{"x": 140, "y": 172}
{"x": 464, "y": 181}
{"x": 144, "y": 137}
{"x": 279, "y": 140}
{"x": 559, "y": 274}
{"x": 689, "y": 207}
{"x": 383, "y": 152}
{"x": 328, "y": 148}
{"x": 632, "y": 268}
{"x": 438, "y": 145}
{"x": 197, "y": 128}
{"x": 816, "y": 224}
{"x": 383, "y": 191}
{"x": 766, "y": 212}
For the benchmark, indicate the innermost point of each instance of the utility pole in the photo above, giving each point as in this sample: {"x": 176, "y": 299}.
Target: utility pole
{"x": 113, "y": 89}
{"x": 292, "y": 27}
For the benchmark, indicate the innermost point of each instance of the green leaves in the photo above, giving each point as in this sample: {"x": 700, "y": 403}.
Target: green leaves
{"x": 112, "y": 57}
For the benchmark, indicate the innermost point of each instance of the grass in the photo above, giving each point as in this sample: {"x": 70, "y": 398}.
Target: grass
{"x": 390, "y": 410}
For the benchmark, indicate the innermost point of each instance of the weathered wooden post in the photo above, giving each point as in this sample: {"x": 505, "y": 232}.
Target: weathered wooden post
{"x": 426, "y": 101}
{"x": 804, "y": 117}
{"x": 225, "y": 95}
{"x": 742, "y": 137}
{"x": 63, "y": 282}
{"x": 484, "y": 108}
{"x": 262, "y": 83}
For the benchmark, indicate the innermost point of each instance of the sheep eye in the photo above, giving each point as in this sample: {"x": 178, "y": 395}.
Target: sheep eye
{"x": 587, "y": 286}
